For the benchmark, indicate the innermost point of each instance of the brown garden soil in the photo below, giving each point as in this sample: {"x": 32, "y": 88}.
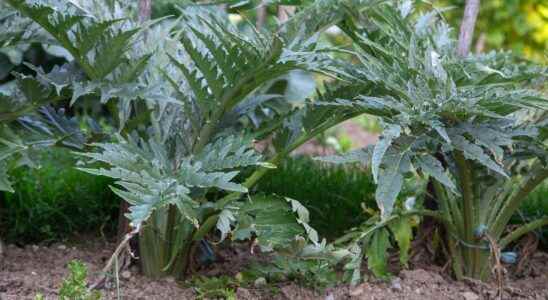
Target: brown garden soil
{"x": 39, "y": 269}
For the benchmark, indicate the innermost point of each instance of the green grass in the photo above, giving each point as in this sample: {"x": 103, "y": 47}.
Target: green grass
{"x": 56, "y": 201}
{"x": 536, "y": 206}
{"x": 335, "y": 195}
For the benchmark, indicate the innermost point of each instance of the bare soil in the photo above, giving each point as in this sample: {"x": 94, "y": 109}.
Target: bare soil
{"x": 24, "y": 272}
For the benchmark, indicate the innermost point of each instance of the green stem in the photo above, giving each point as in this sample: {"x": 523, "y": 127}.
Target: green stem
{"x": 467, "y": 194}
{"x": 496, "y": 204}
{"x": 205, "y": 228}
{"x": 524, "y": 229}
{"x": 171, "y": 218}
{"x": 477, "y": 192}
{"x": 453, "y": 225}
{"x": 446, "y": 208}
{"x": 465, "y": 176}
{"x": 456, "y": 258}
{"x": 538, "y": 174}
{"x": 389, "y": 220}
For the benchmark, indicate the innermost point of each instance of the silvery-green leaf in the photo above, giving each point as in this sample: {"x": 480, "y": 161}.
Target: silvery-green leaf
{"x": 303, "y": 219}
{"x": 229, "y": 152}
{"x": 489, "y": 70}
{"x": 5, "y": 184}
{"x": 406, "y": 8}
{"x": 391, "y": 132}
{"x": 353, "y": 156}
{"x": 391, "y": 182}
{"x": 431, "y": 166}
{"x": 475, "y": 152}
{"x": 272, "y": 220}
{"x": 440, "y": 129}
{"x": 424, "y": 22}
{"x": 226, "y": 217}
{"x": 353, "y": 267}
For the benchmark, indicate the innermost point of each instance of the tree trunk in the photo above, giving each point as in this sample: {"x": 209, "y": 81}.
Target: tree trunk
{"x": 467, "y": 26}
{"x": 261, "y": 15}
{"x": 284, "y": 12}
{"x": 145, "y": 9}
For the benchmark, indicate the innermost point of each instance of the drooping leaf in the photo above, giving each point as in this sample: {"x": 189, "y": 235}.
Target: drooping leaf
{"x": 353, "y": 267}
{"x": 377, "y": 253}
{"x": 475, "y": 152}
{"x": 433, "y": 167}
{"x": 303, "y": 218}
{"x": 226, "y": 217}
{"x": 275, "y": 221}
{"x": 403, "y": 234}
{"x": 392, "y": 132}
{"x": 391, "y": 181}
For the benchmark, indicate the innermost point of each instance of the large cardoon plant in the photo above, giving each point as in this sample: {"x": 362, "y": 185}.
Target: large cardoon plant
{"x": 456, "y": 119}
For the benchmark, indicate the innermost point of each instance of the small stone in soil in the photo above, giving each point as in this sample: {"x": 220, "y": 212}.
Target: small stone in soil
{"x": 260, "y": 282}
{"x": 396, "y": 284}
{"x": 35, "y": 248}
{"x": 134, "y": 269}
{"x": 62, "y": 247}
{"x": 126, "y": 274}
{"x": 470, "y": 296}
{"x": 357, "y": 291}
{"x": 243, "y": 293}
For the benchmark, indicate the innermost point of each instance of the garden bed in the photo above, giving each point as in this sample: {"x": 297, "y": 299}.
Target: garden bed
{"x": 359, "y": 142}
{"x": 24, "y": 272}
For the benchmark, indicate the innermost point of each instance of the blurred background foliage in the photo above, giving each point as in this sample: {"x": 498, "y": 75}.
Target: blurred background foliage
{"x": 517, "y": 25}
